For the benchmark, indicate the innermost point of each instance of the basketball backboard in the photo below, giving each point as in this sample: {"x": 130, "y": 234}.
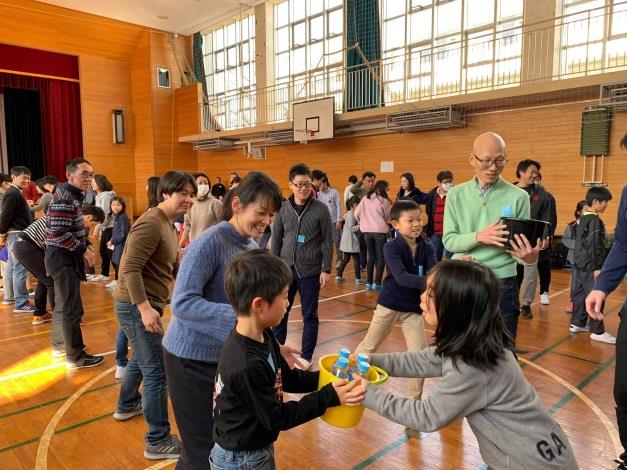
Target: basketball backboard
{"x": 313, "y": 120}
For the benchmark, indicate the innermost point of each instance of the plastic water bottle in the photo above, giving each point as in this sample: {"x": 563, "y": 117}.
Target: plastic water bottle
{"x": 345, "y": 352}
{"x": 340, "y": 369}
{"x": 360, "y": 358}
{"x": 362, "y": 370}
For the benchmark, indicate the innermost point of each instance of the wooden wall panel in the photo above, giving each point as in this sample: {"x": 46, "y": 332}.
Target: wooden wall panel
{"x": 187, "y": 102}
{"x": 41, "y": 26}
{"x": 169, "y": 154}
{"x": 548, "y": 134}
{"x": 105, "y": 85}
{"x": 143, "y": 119}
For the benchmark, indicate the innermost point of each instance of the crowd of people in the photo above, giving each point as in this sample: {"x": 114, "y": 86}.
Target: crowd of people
{"x": 240, "y": 255}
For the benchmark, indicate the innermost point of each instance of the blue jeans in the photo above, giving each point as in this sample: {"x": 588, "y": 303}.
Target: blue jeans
{"x": 146, "y": 363}
{"x": 260, "y": 459}
{"x": 309, "y": 289}
{"x": 440, "y": 251}
{"x": 510, "y": 306}
{"x": 121, "y": 349}
{"x": 15, "y": 275}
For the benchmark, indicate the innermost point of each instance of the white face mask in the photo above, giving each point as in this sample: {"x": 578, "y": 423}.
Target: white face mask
{"x": 447, "y": 186}
{"x": 203, "y": 189}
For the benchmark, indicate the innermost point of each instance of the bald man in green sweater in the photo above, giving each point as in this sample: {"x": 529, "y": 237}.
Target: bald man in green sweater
{"x": 472, "y": 221}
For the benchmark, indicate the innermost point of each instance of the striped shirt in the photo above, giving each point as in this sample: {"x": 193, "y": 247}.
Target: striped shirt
{"x": 36, "y": 232}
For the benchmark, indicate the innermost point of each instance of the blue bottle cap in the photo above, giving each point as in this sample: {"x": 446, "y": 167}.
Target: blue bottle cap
{"x": 363, "y": 367}
{"x": 345, "y": 352}
{"x": 362, "y": 357}
{"x": 342, "y": 362}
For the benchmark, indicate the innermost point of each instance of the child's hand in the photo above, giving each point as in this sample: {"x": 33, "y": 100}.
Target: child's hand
{"x": 350, "y": 393}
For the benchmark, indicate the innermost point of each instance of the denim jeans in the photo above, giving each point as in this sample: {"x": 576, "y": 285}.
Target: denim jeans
{"x": 440, "y": 251}
{"x": 147, "y": 364}
{"x": 309, "y": 290}
{"x": 68, "y": 307}
{"x": 32, "y": 258}
{"x": 260, "y": 459}
{"x": 121, "y": 349}
{"x": 15, "y": 275}
{"x": 510, "y": 307}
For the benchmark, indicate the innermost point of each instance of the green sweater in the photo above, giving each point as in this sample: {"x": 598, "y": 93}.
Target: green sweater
{"x": 467, "y": 212}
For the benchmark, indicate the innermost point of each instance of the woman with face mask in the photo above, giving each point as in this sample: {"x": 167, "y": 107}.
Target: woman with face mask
{"x": 436, "y": 200}
{"x": 206, "y": 212}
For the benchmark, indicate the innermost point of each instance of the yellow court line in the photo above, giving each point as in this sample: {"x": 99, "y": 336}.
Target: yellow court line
{"x": 41, "y": 463}
{"x": 607, "y": 424}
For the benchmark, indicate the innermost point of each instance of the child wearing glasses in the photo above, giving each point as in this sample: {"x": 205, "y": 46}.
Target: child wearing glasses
{"x": 302, "y": 235}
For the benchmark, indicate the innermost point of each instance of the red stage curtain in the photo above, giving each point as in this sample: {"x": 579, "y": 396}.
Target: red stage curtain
{"x": 60, "y": 118}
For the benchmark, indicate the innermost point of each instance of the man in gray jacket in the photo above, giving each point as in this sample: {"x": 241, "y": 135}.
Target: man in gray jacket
{"x": 302, "y": 235}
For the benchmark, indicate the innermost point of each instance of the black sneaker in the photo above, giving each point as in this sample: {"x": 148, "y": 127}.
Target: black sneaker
{"x": 87, "y": 360}
{"x": 168, "y": 449}
{"x": 526, "y": 312}
{"x": 621, "y": 465}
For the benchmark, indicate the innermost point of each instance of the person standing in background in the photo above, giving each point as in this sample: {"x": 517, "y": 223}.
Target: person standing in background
{"x": 331, "y": 198}
{"x": 104, "y": 194}
{"x": 434, "y": 206}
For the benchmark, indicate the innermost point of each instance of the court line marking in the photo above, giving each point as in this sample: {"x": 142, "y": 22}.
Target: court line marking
{"x": 26, "y": 373}
{"x": 607, "y": 424}
{"x": 41, "y": 462}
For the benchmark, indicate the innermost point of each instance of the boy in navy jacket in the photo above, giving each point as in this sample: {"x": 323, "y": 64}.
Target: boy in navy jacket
{"x": 408, "y": 259}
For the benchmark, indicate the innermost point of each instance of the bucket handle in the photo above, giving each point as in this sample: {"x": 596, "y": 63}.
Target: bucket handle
{"x": 382, "y": 375}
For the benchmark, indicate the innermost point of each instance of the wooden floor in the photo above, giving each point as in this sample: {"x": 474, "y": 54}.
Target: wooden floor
{"x": 51, "y": 418}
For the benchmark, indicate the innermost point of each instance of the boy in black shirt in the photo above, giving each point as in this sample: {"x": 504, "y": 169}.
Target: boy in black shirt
{"x": 248, "y": 403}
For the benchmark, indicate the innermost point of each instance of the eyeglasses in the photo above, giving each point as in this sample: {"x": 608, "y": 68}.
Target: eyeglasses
{"x": 487, "y": 163}
{"x": 299, "y": 185}
{"x": 86, "y": 175}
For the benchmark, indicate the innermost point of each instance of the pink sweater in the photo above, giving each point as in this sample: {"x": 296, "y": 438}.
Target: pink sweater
{"x": 373, "y": 214}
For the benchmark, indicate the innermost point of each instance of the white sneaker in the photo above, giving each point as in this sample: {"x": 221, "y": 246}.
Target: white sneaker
{"x": 578, "y": 329}
{"x": 604, "y": 338}
{"x": 90, "y": 276}
{"x": 303, "y": 364}
{"x": 120, "y": 372}
{"x": 98, "y": 278}
{"x": 544, "y": 298}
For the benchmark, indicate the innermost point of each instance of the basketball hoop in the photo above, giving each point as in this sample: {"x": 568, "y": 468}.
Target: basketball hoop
{"x": 303, "y": 135}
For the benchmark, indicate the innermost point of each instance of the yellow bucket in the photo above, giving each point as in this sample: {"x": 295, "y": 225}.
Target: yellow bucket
{"x": 344, "y": 416}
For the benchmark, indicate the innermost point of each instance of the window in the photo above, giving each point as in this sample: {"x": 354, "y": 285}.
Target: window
{"x": 440, "y": 47}
{"x": 589, "y": 42}
{"x": 309, "y": 52}
{"x": 230, "y": 72}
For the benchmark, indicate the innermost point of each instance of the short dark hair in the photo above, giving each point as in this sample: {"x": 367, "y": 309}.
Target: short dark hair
{"x": 300, "y": 169}
{"x": 256, "y": 186}
{"x": 368, "y": 174}
{"x": 50, "y": 179}
{"x": 122, "y": 201}
{"x": 4, "y": 178}
{"x": 470, "y": 325}
{"x": 524, "y": 164}
{"x": 174, "y": 182}
{"x": 255, "y": 273}
{"x": 400, "y": 206}
{"x": 444, "y": 175}
{"x": 72, "y": 165}
{"x": 351, "y": 202}
{"x": 103, "y": 183}
{"x": 196, "y": 175}
{"x": 154, "y": 197}
{"x": 600, "y": 193}
{"x": 352, "y": 179}
{"x": 20, "y": 170}
{"x": 97, "y": 214}
{"x": 317, "y": 174}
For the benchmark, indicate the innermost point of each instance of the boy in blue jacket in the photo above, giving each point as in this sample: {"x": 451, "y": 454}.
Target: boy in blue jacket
{"x": 408, "y": 259}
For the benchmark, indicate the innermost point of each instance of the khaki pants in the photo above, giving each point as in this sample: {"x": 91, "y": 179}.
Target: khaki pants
{"x": 413, "y": 327}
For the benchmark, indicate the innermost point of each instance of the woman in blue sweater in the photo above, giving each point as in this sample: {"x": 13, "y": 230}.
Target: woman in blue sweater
{"x": 202, "y": 317}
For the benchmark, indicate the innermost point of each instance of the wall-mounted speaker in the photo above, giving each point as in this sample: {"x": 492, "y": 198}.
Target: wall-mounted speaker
{"x": 117, "y": 117}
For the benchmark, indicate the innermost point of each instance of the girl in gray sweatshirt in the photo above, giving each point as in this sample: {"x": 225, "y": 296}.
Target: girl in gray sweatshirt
{"x": 480, "y": 377}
